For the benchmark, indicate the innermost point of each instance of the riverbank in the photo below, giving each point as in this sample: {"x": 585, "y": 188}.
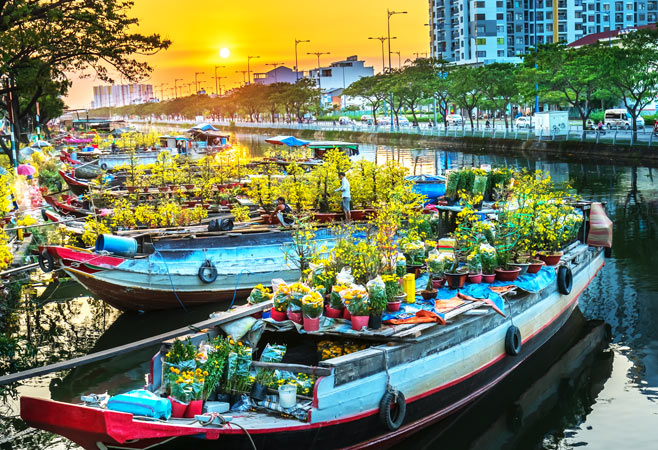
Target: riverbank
{"x": 568, "y": 151}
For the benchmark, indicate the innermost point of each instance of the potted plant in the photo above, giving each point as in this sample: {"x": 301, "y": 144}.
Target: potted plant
{"x": 435, "y": 268}
{"x": 414, "y": 252}
{"x": 474, "y": 264}
{"x": 394, "y": 294}
{"x": 312, "y": 304}
{"x": 297, "y": 292}
{"x": 335, "y": 306}
{"x": 535, "y": 265}
{"x": 489, "y": 263}
{"x": 378, "y": 301}
{"x": 358, "y": 304}
{"x": 281, "y": 301}
{"x": 259, "y": 294}
{"x": 455, "y": 274}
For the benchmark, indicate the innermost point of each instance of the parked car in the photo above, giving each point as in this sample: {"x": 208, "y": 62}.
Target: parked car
{"x": 454, "y": 119}
{"x": 525, "y": 122}
{"x": 345, "y": 121}
{"x": 403, "y": 121}
{"x": 621, "y": 119}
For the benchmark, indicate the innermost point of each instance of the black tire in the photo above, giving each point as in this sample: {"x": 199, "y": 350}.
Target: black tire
{"x": 104, "y": 166}
{"x": 607, "y": 252}
{"x": 513, "y": 341}
{"x": 564, "y": 280}
{"x": 44, "y": 216}
{"x": 46, "y": 261}
{"x": 392, "y": 409}
{"x": 207, "y": 272}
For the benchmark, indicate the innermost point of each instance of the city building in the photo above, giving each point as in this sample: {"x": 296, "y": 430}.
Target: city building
{"x": 340, "y": 74}
{"x": 122, "y": 95}
{"x": 486, "y": 31}
{"x": 281, "y": 74}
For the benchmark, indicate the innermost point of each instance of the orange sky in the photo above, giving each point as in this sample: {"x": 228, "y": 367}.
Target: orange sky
{"x": 200, "y": 28}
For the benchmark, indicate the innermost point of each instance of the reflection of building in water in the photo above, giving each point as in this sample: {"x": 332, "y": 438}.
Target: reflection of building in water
{"x": 559, "y": 171}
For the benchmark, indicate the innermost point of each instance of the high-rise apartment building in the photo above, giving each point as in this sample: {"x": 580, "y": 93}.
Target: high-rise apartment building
{"x": 122, "y": 94}
{"x": 486, "y": 31}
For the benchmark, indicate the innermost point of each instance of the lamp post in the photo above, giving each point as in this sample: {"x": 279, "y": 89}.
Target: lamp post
{"x": 244, "y": 73}
{"x": 217, "y": 79}
{"x": 382, "y": 39}
{"x": 176, "y": 80}
{"x": 196, "y": 82}
{"x": 318, "y": 54}
{"x": 249, "y": 58}
{"x": 162, "y": 85}
{"x": 275, "y": 65}
{"x": 390, "y": 13}
{"x": 399, "y": 59}
{"x": 298, "y": 41}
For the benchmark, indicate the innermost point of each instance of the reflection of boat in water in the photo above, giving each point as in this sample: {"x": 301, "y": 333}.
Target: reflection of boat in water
{"x": 561, "y": 380}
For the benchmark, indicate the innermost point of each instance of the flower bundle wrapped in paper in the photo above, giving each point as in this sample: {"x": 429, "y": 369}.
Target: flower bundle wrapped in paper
{"x": 297, "y": 292}
{"x": 400, "y": 265}
{"x": 335, "y": 300}
{"x": 282, "y": 297}
{"x": 377, "y": 294}
{"x": 259, "y": 294}
{"x": 356, "y": 301}
{"x": 312, "y": 305}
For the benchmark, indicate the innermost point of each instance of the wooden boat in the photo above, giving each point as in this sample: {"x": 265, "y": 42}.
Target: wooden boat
{"x": 166, "y": 272}
{"x": 76, "y": 185}
{"x": 69, "y": 205}
{"x": 431, "y": 186}
{"x": 320, "y": 148}
{"x": 427, "y": 371}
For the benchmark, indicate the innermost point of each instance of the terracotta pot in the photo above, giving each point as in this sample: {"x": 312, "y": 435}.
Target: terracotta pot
{"x": 346, "y": 314}
{"x": 177, "y": 407}
{"x": 323, "y": 217}
{"x": 535, "y": 267}
{"x": 488, "y": 278}
{"x": 224, "y": 202}
{"x": 551, "y": 260}
{"x": 131, "y": 188}
{"x": 163, "y": 188}
{"x": 415, "y": 269}
{"x": 358, "y": 214}
{"x": 393, "y": 306}
{"x": 333, "y": 312}
{"x": 428, "y": 295}
{"x": 375, "y": 321}
{"x": 475, "y": 278}
{"x": 194, "y": 408}
{"x": 358, "y": 322}
{"x": 145, "y": 189}
{"x": 311, "y": 324}
{"x": 278, "y": 315}
{"x": 456, "y": 280}
{"x": 438, "y": 284}
{"x": 189, "y": 187}
{"x": 295, "y": 316}
{"x": 508, "y": 275}
{"x": 522, "y": 266}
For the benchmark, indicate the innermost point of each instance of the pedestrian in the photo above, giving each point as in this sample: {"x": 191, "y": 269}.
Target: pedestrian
{"x": 488, "y": 124}
{"x": 283, "y": 212}
{"x": 344, "y": 189}
{"x": 600, "y": 126}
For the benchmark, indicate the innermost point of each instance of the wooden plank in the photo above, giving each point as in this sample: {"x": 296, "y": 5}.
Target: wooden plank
{"x": 220, "y": 319}
{"x": 19, "y": 269}
{"x": 294, "y": 368}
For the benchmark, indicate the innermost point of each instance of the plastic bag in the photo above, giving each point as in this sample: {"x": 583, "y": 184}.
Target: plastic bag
{"x": 273, "y": 353}
{"x": 141, "y": 403}
{"x": 259, "y": 294}
{"x": 400, "y": 265}
{"x": 345, "y": 276}
{"x": 377, "y": 294}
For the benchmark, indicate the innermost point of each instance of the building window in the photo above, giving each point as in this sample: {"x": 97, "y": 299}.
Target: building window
{"x": 325, "y": 73}
{"x": 549, "y": 27}
{"x": 479, "y": 4}
{"x": 501, "y": 53}
{"x": 479, "y": 17}
{"x": 500, "y": 41}
{"x": 629, "y": 7}
{"x": 481, "y": 54}
{"x": 500, "y": 16}
{"x": 481, "y": 41}
{"x": 499, "y": 4}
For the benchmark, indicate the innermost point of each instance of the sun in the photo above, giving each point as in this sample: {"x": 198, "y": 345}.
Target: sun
{"x": 224, "y": 52}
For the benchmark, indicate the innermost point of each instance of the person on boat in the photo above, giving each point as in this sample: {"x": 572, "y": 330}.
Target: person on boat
{"x": 283, "y": 212}
{"x": 344, "y": 189}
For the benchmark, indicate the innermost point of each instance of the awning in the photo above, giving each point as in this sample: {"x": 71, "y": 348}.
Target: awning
{"x": 204, "y": 127}
{"x": 290, "y": 141}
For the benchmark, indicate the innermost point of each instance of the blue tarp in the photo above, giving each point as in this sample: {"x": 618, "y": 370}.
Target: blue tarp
{"x": 204, "y": 127}
{"x": 290, "y": 141}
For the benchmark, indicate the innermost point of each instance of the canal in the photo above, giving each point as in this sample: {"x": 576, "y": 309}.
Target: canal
{"x": 606, "y": 400}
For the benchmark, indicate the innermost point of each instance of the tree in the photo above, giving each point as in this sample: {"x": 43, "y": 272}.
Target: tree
{"x": 371, "y": 89}
{"x": 465, "y": 88}
{"x": 301, "y": 97}
{"x": 414, "y": 83}
{"x": 499, "y": 86}
{"x": 439, "y": 85}
{"x": 272, "y": 98}
{"x": 251, "y": 99}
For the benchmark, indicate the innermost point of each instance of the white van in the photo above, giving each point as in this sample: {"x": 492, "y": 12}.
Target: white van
{"x": 620, "y": 118}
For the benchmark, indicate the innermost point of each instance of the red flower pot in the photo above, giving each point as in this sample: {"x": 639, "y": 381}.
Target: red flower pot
{"x": 224, "y": 202}
{"x": 189, "y": 187}
{"x": 508, "y": 275}
{"x": 475, "y": 278}
{"x": 323, "y": 217}
{"x": 177, "y": 408}
{"x": 278, "y": 315}
{"x": 311, "y": 324}
{"x": 359, "y": 322}
{"x": 535, "y": 267}
{"x": 194, "y": 408}
{"x": 346, "y": 314}
{"x": 163, "y": 188}
{"x": 295, "y": 316}
{"x": 393, "y": 306}
{"x": 428, "y": 295}
{"x": 488, "y": 278}
{"x": 334, "y": 313}
{"x": 456, "y": 280}
{"x": 438, "y": 284}
{"x": 131, "y": 188}
{"x": 358, "y": 214}
{"x": 551, "y": 260}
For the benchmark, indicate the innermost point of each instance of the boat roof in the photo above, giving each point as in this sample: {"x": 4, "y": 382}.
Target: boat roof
{"x": 332, "y": 144}
{"x": 178, "y": 138}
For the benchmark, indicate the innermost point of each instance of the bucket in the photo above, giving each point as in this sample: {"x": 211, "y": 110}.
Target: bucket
{"x": 409, "y": 287}
{"x": 117, "y": 245}
{"x": 287, "y": 396}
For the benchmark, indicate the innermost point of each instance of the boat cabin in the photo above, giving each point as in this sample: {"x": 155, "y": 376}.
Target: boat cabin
{"x": 321, "y": 147}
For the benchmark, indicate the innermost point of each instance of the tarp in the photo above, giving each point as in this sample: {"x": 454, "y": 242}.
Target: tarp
{"x": 204, "y": 127}
{"x": 290, "y": 141}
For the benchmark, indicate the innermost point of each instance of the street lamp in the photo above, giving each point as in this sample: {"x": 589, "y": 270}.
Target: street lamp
{"x": 217, "y": 79}
{"x": 318, "y": 54}
{"x": 298, "y": 41}
{"x": 176, "y": 87}
{"x": 162, "y": 85}
{"x": 275, "y": 65}
{"x": 249, "y": 58}
{"x": 390, "y": 13}
{"x": 382, "y": 39}
{"x": 196, "y": 82}
{"x": 244, "y": 74}
{"x": 399, "y": 59}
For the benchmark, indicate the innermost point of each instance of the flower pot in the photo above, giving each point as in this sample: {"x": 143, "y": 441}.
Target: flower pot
{"x": 375, "y": 321}
{"x": 346, "y": 314}
{"x": 224, "y": 202}
{"x": 163, "y": 188}
{"x": 358, "y": 214}
{"x": 536, "y": 266}
{"x": 438, "y": 284}
{"x": 189, "y": 187}
{"x": 323, "y": 217}
{"x": 415, "y": 269}
{"x": 358, "y": 322}
{"x": 475, "y": 278}
{"x": 551, "y": 260}
{"x": 333, "y": 312}
{"x": 145, "y": 189}
{"x": 177, "y": 407}
{"x": 258, "y": 392}
{"x": 311, "y": 323}
{"x": 522, "y": 266}
{"x": 295, "y": 316}
{"x": 508, "y": 275}
{"x": 488, "y": 278}
{"x": 194, "y": 408}
{"x": 428, "y": 295}
{"x": 456, "y": 280}
{"x": 131, "y": 188}
{"x": 393, "y": 306}
{"x": 279, "y": 316}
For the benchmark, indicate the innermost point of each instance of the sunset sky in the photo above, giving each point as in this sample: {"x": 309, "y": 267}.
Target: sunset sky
{"x": 200, "y": 28}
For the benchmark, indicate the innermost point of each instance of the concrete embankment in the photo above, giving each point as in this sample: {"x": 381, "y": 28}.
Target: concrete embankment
{"x": 568, "y": 151}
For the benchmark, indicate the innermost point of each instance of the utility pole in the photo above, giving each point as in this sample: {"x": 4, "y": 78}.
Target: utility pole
{"x": 298, "y": 41}
{"x": 162, "y": 85}
{"x": 196, "y": 82}
{"x": 318, "y": 54}
{"x": 189, "y": 87}
{"x": 418, "y": 54}
{"x": 275, "y": 65}
{"x": 249, "y": 58}
{"x": 176, "y": 80}
{"x": 390, "y": 13}
{"x": 382, "y": 39}
{"x": 399, "y": 59}
{"x": 217, "y": 79}
{"x": 244, "y": 73}
{"x": 218, "y": 82}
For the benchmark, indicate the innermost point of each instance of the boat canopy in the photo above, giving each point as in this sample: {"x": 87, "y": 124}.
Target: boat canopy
{"x": 203, "y": 126}
{"x": 290, "y": 141}
{"x": 333, "y": 144}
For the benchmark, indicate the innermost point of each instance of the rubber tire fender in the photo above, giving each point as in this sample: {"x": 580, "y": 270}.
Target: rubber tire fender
{"x": 44, "y": 216}
{"x": 203, "y": 272}
{"x": 390, "y": 398}
{"x": 513, "y": 341}
{"x": 564, "y": 280}
{"x": 104, "y": 166}
{"x": 46, "y": 262}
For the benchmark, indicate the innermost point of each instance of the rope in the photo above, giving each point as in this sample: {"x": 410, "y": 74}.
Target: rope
{"x": 235, "y": 290}
{"x": 223, "y": 422}
{"x": 170, "y": 280}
